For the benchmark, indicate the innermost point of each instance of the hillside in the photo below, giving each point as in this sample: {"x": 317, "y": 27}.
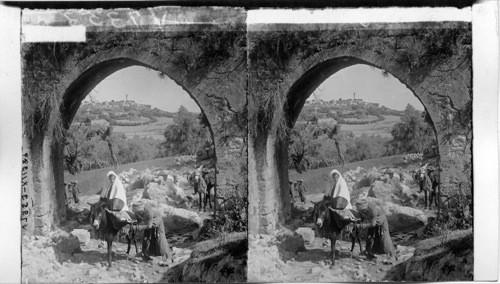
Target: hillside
{"x": 354, "y": 115}
{"x": 128, "y": 117}
{"x": 122, "y": 113}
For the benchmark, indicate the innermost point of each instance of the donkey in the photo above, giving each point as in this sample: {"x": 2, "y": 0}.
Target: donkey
{"x": 427, "y": 184}
{"x": 204, "y": 186}
{"x": 330, "y": 225}
{"x": 101, "y": 219}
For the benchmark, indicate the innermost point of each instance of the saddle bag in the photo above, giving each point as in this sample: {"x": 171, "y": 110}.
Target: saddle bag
{"x": 115, "y": 204}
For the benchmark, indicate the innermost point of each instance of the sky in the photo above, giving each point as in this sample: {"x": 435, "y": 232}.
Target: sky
{"x": 368, "y": 84}
{"x": 144, "y": 86}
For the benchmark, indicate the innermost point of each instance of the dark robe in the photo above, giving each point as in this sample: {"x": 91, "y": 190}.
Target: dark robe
{"x": 154, "y": 242}
{"x": 378, "y": 237}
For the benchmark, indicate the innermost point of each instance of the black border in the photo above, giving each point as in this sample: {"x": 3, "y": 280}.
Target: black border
{"x": 248, "y": 4}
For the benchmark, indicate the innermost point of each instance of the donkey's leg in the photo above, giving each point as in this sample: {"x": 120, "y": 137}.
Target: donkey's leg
{"x": 201, "y": 200}
{"x": 209, "y": 195}
{"x": 431, "y": 197}
{"x": 435, "y": 191}
{"x": 109, "y": 240}
{"x": 333, "y": 240}
{"x": 135, "y": 240}
{"x": 358, "y": 237}
{"x": 425, "y": 198}
{"x": 129, "y": 242}
{"x": 353, "y": 241}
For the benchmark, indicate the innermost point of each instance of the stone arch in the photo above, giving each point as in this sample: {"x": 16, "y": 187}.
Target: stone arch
{"x": 84, "y": 66}
{"x": 441, "y": 82}
{"x": 90, "y": 73}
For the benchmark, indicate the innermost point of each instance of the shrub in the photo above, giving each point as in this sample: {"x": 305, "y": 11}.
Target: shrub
{"x": 456, "y": 214}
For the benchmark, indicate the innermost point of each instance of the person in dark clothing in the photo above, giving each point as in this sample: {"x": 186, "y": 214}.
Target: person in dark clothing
{"x": 154, "y": 241}
{"x": 378, "y": 237}
{"x": 74, "y": 190}
{"x": 301, "y": 189}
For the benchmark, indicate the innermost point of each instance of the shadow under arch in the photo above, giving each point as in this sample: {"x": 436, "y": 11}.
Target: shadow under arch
{"x": 78, "y": 89}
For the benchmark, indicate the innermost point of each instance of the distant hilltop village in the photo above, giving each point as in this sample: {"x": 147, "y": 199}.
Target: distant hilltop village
{"x": 123, "y": 113}
{"x": 345, "y": 111}
{"x": 117, "y": 104}
{"x": 342, "y": 103}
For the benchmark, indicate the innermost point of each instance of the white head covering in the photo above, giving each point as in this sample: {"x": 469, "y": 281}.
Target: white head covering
{"x": 116, "y": 190}
{"x": 340, "y": 189}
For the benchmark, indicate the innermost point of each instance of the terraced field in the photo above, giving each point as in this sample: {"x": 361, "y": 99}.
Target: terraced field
{"x": 382, "y": 128}
{"x": 155, "y": 129}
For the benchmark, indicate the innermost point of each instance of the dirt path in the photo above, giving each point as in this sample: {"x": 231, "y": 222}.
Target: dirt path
{"x": 313, "y": 265}
{"x": 90, "y": 266}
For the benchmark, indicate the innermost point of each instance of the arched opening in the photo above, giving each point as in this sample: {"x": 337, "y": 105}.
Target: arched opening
{"x": 124, "y": 116}
{"x": 350, "y": 115}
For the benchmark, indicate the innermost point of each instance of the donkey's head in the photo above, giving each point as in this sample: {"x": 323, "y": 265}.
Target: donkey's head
{"x": 320, "y": 212}
{"x": 96, "y": 212}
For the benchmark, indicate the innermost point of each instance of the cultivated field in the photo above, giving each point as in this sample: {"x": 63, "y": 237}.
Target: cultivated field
{"x": 382, "y": 128}
{"x": 154, "y": 130}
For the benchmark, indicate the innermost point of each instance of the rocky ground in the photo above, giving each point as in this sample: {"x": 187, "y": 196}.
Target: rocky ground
{"x": 311, "y": 264}
{"x": 43, "y": 263}
{"x": 297, "y": 254}
{"x": 73, "y": 253}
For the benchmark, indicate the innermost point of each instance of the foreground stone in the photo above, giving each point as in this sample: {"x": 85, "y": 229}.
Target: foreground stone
{"x": 307, "y": 234}
{"x": 82, "y": 235}
{"x": 69, "y": 245}
{"x": 439, "y": 259}
{"x": 217, "y": 260}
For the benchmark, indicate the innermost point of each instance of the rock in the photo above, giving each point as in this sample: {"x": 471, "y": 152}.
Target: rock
{"x": 281, "y": 235}
{"x": 69, "y": 245}
{"x": 307, "y": 234}
{"x": 134, "y": 195}
{"x": 58, "y": 235}
{"x": 177, "y": 221}
{"x": 93, "y": 272}
{"x": 82, "y": 235}
{"x": 405, "y": 193}
{"x": 400, "y": 218}
{"x": 438, "y": 259}
{"x": 146, "y": 178}
{"x": 381, "y": 190}
{"x": 315, "y": 270}
{"x": 293, "y": 243}
{"x": 219, "y": 260}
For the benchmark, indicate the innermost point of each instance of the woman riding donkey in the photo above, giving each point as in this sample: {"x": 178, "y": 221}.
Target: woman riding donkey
{"x": 378, "y": 237}
{"x": 114, "y": 197}
{"x": 338, "y": 192}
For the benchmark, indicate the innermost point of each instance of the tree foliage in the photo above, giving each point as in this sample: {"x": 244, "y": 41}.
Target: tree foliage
{"x": 188, "y": 134}
{"x": 413, "y": 134}
{"x": 93, "y": 145}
